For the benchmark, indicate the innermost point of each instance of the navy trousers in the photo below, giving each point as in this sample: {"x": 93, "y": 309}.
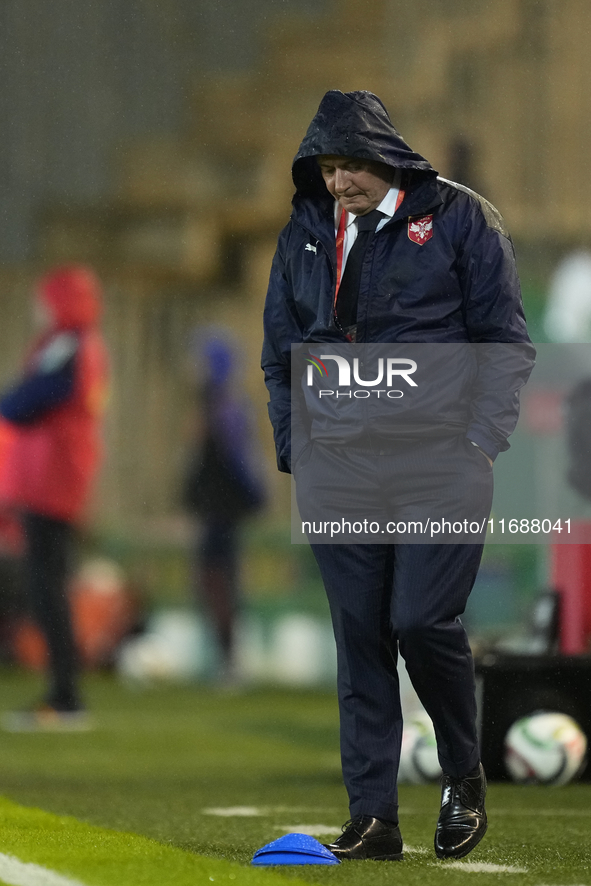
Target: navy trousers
{"x": 407, "y": 598}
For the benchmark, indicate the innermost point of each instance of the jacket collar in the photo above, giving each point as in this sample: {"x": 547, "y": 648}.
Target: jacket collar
{"x": 421, "y": 196}
{"x": 317, "y": 216}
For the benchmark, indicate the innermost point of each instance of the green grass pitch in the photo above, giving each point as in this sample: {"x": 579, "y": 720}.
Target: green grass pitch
{"x": 131, "y": 802}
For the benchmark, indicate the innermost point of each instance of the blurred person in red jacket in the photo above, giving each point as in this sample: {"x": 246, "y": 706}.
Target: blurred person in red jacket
{"x": 56, "y": 410}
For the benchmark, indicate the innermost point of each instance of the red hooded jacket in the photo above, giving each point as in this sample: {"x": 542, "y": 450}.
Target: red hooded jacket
{"x": 57, "y": 448}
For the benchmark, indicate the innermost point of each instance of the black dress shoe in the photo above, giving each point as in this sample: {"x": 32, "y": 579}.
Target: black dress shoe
{"x": 462, "y": 820}
{"x": 367, "y": 837}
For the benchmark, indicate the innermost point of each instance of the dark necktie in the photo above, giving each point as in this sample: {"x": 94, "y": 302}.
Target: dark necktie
{"x": 349, "y": 288}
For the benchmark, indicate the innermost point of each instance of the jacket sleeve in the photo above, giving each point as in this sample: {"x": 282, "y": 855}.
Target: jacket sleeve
{"x": 282, "y": 328}
{"x": 48, "y": 385}
{"x": 496, "y": 325}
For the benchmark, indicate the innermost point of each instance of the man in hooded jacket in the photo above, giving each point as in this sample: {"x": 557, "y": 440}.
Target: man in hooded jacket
{"x": 439, "y": 269}
{"x": 56, "y": 411}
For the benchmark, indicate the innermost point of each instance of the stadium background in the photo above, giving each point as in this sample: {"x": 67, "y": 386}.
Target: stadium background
{"x": 153, "y": 139}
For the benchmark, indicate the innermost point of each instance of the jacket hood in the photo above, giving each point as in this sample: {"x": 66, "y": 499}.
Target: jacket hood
{"x": 351, "y": 124}
{"x": 73, "y": 295}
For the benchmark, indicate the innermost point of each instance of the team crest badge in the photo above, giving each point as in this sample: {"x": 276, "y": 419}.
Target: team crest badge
{"x": 420, "y": 229}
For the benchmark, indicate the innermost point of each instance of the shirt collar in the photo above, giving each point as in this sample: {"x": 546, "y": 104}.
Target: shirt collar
{"x": 387, "y": 206}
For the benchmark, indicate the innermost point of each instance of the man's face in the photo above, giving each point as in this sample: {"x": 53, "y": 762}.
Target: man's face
{"x": 358, "y": 185}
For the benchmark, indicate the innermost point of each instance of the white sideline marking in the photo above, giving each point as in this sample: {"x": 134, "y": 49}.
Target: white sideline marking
{"x": 20, "y": 873}
{"x": 247, "y": 811}
{"x": 552, "y": 812}
{"x": 481, "y": 867}
{"x": 240, "y": 811}
{"x": 312, "y": 830}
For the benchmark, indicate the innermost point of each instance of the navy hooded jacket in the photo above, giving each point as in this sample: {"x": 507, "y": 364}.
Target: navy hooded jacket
{"x": 458, "y": 286}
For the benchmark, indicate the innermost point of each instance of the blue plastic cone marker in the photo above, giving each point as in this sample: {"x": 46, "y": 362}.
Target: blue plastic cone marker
{"x": 294, "y": 849}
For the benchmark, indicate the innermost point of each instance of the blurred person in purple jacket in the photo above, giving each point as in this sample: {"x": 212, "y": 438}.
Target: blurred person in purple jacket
{"x": 221, "y": 488}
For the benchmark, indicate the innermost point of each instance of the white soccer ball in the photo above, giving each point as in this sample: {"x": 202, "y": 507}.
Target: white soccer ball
{"x": 419, "y": 763}
{"x": 545, "y": 748}
{"x": 171, "y": 649}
